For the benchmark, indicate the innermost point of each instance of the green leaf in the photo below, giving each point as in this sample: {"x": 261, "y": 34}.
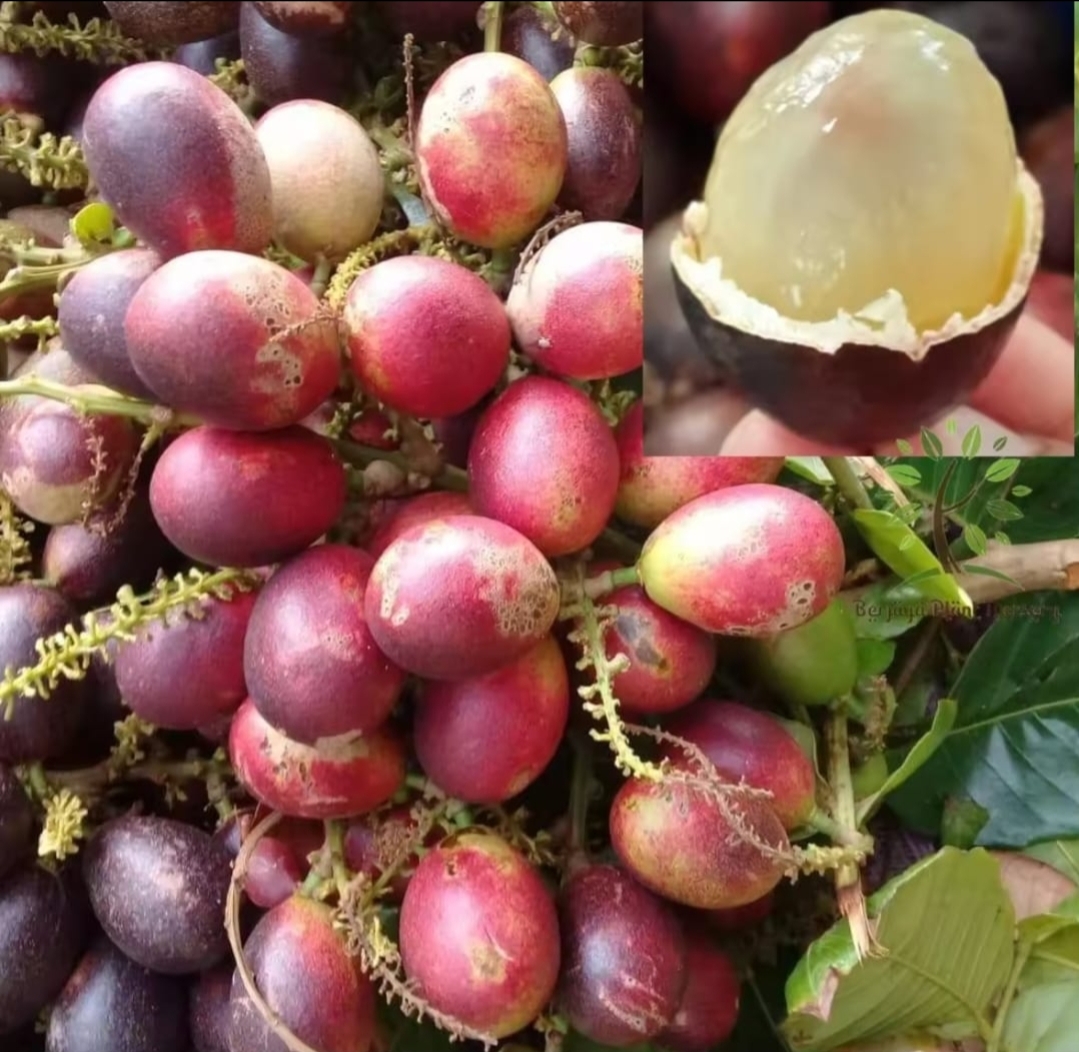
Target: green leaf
{"x": 1002, "y": 470}
{"x": 904, "y": 552}
{"x": 988, "y": 571}
{"x": 1004, "y": 510}
{"x": 904, "y": 447}
{"x": 1000, "y": 443}
{"x": 1001, "y": 538}
{"x": 975, "y": 539}
{"x": 1062, "y": 855}
{"x": 93, "y": 223}
{"x": 934, "y": 448}
{"x": 810, "y": 468}
{"x": 1044, "y": 1019}
{"x": 972, "y": 442}
{"x": 1014, "y": 751}
{"x": 875, "y": 657}
{"x": 946, "y": 926}
{"x": 905, "y": 767}
{"x": 905, "y": 474}
{"x": 1051, "y": 512}
{"x": 1021, "y": 491}
{"x": 1054, "y": 955}
{"x": 885, "y": 610}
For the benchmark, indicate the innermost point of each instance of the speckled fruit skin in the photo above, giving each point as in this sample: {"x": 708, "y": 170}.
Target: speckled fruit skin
{"x": 675, "y": 839}
{"x": 708, "y": 1010}
{"x": 460, "y": 597}
{"x": 623, "y": 957}
{"x": 578, "y": 309}
{"x": 158, "y": 131}
{"x": 425, "y": 336}
{"x": 157, "y": 888}
{"x": 16, "y": 821}
{"x": 209, "y": 1012}
{"x": 479, "y": 934}
{"x": 91, "y": 315}
{"x": 858, "y": 397}
{"x": 543, "y": 460}
{"x": 180, "y": 673}
{"x": 752, "y": 560}
{"x": 37, "y": 731}
{"x": 651, "y": 488}
{"x": 338, "y": 779}
{"x": 610, "y": 23}
{"x": 310, "y": 661}
{"x": 431, "y": 20}
{"x": 670, "y": 661}
{"x": 485, "y": 740}
{"x": 491, "y": 149}
{"x": 110, "y": 994}
{"x": 47, "y": 449}
{"x": 169, "y": 24}
{"x": 415, "y": 511}
{"x": 744, "y": 744}
{"x": 303, "y": 971}
{"x": 226, "y": 498}
{"x": 311, "y": 18}
{"x": 233, "y": 339}
{"x": 43, "y": 927}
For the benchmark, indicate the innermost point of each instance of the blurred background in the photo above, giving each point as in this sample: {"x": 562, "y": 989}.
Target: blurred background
{"x": 704, "y": 55}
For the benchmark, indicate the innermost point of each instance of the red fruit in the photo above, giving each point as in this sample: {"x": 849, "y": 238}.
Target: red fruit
{"x": 310, "y": 662}
{"x": 226, "y": 498}
{"x": 746, "y": 745}
{"x": 678, "y": 840}
{"x": 708, "y": 1010}
{"x": 178, "y": 162}
{"x": 431, "y": 20}
{"x": 491, "y": 149}
{"x": 460, "y": 597}
{"x": 479, "y": 934}
{"x": 378, "y": 841}
{"x": 273, "y": 873}
{"x": 739, "y": 918}
{"x": 183, "y": 672}
{"x": 337, "y": 780}
{"x": 651, "y": 488}
{"x": 416, "y": 511}
{"x": 752, "y": 560}
{"x": 544, "y": 461}
{"x": 624, "y": 966}
{"x": 578, "y": 308}
{"x": 310, "y": 981}
{"x": 233, "y": 339}
{"x": 485, "y": 740}
{"x": 425, "y": 336}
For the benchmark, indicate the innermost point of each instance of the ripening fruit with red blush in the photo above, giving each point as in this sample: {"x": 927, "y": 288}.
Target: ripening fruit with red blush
{"x": 230, "y": 498}
{"x": 651, "y": 488}
{"x": 491, "y": 149}
{"x": 544, "y": 461}
{"x": 178, "y": 162}
{"x": 376, "y": 841}
{"x": 310, "y": 662}
{"x": 752, "y": 560}
{"x": 708, "y": 1011}
{"x": 578, "y": 308}
{"x": 233, "y": 339}
{"x": 487, "y": 739}
{"x": 479, "y": 934}
{"x": 425, "y": 336}
{"x": 333, "y": 780}
{"x": 415, "y": 511}
{"x": 460, "y": 597}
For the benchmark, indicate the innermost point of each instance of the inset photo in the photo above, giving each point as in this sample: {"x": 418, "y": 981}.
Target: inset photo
{"x": 859, "y": 229}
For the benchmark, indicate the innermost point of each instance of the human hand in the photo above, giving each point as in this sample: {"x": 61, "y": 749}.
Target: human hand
{"x": 1029, "y": 397}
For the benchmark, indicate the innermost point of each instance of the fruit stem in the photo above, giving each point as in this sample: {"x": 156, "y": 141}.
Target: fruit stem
{"x": 492, "y": 25}
{"x": 822, "y": 822}
{"x": 93, "y": 398}
{"x": 609, "y": 580}
{"x": 847, "y": 479}
{"x": 447, "y": 477}
{"x": 18, "y": 328}
{"x": 993, "y": 1039}
{"x": 321, "y": 278}
{"x": 580, "y": 794}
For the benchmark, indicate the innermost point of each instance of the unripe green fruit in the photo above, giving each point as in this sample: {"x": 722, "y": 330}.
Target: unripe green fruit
{"x": 869, "y": 777}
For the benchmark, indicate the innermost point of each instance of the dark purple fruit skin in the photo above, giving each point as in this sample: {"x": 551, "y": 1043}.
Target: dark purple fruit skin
{"x": 623, "y": 957}
{"x": 158, "y": 131}
{"x": 35, "y": 86}
{"x": 430, "y": 20}
{"x": 208, "y": 1010}
{"x": 89, "y": 564}
{"x": 157, "y": 888}
{"x": 170, "y": 23}
{"x": 111, "y": 1004}
{"x": 603, "y": 130}
{"x": 39, "y": 729}
{"x": 837, "y": 399}
{"x": 16, "y": 821}
{"x": 282, "y": 67}
{"x": 202, "y": 55}
{"x": 91, "y": 316}
{"x": 528, "y": 34}
{"x": 607, "y": 23}
{"x": 307, "y": 19}
{"x": 44, "y": 923}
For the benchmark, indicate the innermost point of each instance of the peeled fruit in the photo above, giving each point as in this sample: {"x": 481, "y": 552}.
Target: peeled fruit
{"x": 752, "y": 560}
{"x": 651, "y": 488}
{"x": 812, "y": 664}
{"x": 745, "y": 745}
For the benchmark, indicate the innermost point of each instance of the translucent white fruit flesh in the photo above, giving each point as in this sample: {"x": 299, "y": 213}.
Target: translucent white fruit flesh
{"x": 877, "y": 156}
